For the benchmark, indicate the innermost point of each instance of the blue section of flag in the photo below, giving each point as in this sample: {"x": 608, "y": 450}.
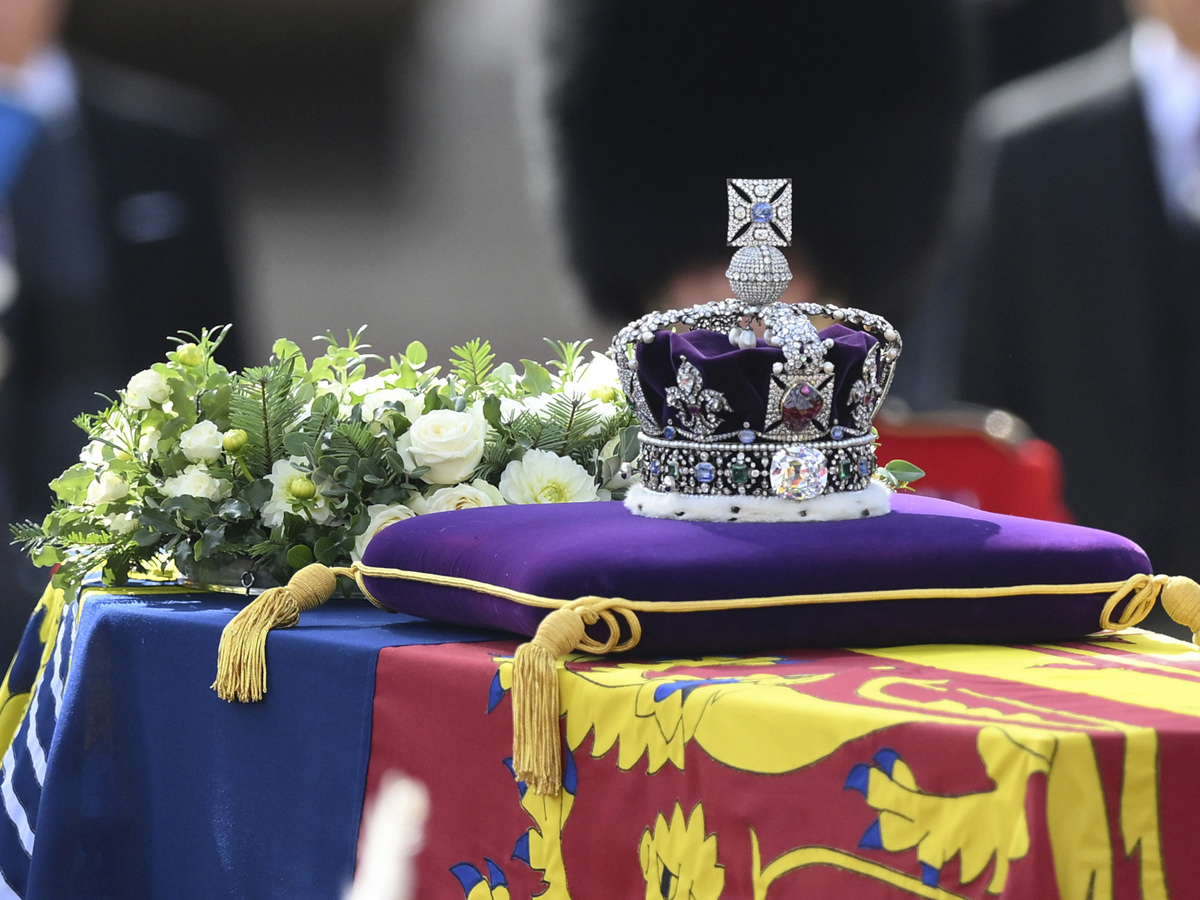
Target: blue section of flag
{"x": 155, "y": 787}
{"x": 22, "y": 770}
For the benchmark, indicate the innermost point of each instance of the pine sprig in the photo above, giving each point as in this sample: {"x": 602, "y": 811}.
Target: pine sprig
{"x": 353, "y": 437}
{"x": 472, "y": 363}
{"x": 264, "y": 405}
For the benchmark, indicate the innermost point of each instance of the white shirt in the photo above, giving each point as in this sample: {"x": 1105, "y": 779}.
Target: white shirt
{"x": 44, "y": 85}
{"x": 1168, "y": 76}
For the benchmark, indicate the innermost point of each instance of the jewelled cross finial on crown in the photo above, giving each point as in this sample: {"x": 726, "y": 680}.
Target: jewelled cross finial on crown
{"x": 779, "y": 426}
{"x": 760, "y": 211}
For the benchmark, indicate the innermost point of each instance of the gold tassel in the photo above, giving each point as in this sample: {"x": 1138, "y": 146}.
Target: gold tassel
{"x": 242, "y": 656}
{"x": 537, "y": 750}
{"x": 1181, "y": 599}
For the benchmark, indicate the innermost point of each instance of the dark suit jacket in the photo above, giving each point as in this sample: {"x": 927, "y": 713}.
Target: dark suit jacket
{"x": 1070, "y": 299}
{"x": 119, "y": 227}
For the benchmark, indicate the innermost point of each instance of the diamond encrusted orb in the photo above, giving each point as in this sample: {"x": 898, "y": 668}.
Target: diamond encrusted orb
{"x": 799, "y": 473}
{"x": 758, "y": 274}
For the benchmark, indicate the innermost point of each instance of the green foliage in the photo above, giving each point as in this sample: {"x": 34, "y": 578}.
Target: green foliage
{"x": 264, "y": 405}
{"x": 471, "y": 363}
{"x": 181, "y": 469}
{"x": 567, "y": 355}
{"x": 899, "y": 474}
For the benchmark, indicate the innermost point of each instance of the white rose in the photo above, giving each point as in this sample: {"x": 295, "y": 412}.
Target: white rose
{"x": 148, "y": 442}
{"x": 381, "y": 515}
{"x": 121, "y": 523}
{"x": 201, "y": 442}
{"x": 107, "y": 487}
{"x": 372, "y": 404}
{"x": 450, "y": 443}
{"x": 544, "y": 477}
{"x": 465, "y": 496}
{"x": 367, "y": 386}
{"x": 194, "y": 481}
{"x": 293, "y": 491}
{"x": 144, "y": 387}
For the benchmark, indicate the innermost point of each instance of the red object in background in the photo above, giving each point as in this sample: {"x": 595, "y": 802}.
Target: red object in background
{"x": 980, "y": 458}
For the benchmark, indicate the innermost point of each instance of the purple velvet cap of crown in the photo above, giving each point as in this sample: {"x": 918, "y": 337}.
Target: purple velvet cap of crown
{"x": 743, "y": 376}
{"x": 570, "y": 550}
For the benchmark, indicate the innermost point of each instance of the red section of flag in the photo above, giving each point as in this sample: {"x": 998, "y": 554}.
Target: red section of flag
{"x": 814, "y": 823}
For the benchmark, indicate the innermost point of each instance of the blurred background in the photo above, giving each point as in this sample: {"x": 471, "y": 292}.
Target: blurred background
{"x": 518, "y": 169}
{"x": 385, "y": 153}
{"x": 378, "y": 163}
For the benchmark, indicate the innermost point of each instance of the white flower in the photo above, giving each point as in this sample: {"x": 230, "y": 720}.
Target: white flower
{"x": 465, "y": 496}
{"x": 544, "y": 477}
{"x": 121, "y": 523}
{"x": 92, "y": 454}
{"x": 450, "y": 443}
{"x": 148, "y": 442}
{"x": 381, "y": 515}
{"x": 368, "y": 385}
{"x": 201, "y": 442}
{"x": 145, "y": 387}
{"x": 194, "y": 481}
{"x": 325, "y": 386}
{"x": 107, "y": 487}
{"x": 372, "y": 405}
{"x": 293, "y": 491}
{"x": 599, "y": 379}
{"x": 510, "y": 409}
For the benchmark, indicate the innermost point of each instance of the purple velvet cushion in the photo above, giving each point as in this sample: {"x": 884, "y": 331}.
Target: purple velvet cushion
{"x": 569, "y": 550}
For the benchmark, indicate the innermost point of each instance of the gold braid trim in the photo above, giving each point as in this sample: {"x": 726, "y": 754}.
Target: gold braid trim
{"x": 537, "y": 757}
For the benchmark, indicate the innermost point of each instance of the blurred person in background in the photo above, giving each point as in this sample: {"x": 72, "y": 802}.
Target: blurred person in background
{"x": 1019, "y": 37}
{"x": 113, "y": 224}
{"x": 1069, "y": 293}
{"x": 652, "y": 106}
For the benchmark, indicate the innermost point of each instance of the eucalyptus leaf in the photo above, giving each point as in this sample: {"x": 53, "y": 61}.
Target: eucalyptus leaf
{"x": 536, "y": 379}
{"x": 904, "y": 471}
{"x": 491, "y": 410}
{"x": 211, "y": 541}
{"x": 146, "y": 537}
{"x": 389, "y": 495}
{"x": 326, "y": 551}
{"x": 297, "y": 443}
{"x": 299, "y": 556}
{"x": 197, "y": 508}
{"x": 629, "y": 446}
{"x": 214, "y": 404}
{"x": 234, "y": 509}
{"x": 408, "y": 375}
{"x": 159, "y": 521}
{"x": 257, "y": 493}
{"x": 416, "y": 354}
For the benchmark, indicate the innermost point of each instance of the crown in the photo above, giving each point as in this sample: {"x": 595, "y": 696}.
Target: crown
{"x": 734, "y": 426}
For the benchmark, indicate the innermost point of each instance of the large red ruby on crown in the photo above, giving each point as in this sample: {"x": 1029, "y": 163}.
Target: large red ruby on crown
{"x": 801, "y": 404}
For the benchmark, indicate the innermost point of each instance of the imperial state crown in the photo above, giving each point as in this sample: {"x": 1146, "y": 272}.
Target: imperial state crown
{"x": 746, "y": 410}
